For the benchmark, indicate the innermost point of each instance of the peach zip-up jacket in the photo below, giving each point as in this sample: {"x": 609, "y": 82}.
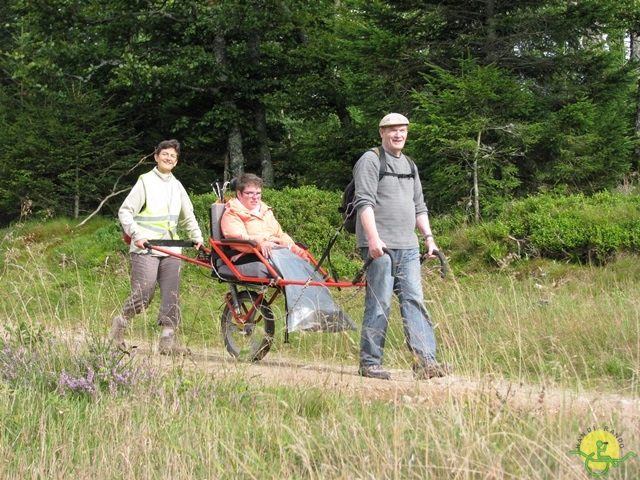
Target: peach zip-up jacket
{"x": 239, "y": 222}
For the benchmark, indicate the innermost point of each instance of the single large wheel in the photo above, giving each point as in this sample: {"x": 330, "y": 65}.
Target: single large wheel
{"x": 250, "y": 337}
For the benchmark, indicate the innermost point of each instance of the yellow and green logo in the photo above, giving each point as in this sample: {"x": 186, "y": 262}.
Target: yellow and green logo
{"x": 601, "y": 449}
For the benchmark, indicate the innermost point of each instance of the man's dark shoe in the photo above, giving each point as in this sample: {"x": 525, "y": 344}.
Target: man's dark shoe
{"x": 374, "y": 371}
{"x": 423, "y": 370}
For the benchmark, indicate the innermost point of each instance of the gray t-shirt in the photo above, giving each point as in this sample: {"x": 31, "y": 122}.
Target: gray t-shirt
{"x": 396, "y": 202}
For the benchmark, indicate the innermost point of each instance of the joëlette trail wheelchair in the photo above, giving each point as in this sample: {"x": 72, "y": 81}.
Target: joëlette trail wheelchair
{"x": 248, "y": 321}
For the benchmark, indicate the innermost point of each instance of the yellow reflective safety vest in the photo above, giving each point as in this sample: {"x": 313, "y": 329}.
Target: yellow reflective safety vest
{"x": 159, "y": 218}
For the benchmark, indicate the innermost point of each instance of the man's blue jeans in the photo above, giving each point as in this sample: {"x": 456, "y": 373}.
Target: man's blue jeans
{"x": 407, "y": 285}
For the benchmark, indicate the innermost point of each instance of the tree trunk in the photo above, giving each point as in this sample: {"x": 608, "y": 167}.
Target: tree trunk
{"x": 227, "y": 167}
{"x": 76, "y": 199}
{"x": 260, "y": 116}
{"x": 490, "y": 41}
{"x": 263, "y": 141}
{"x": 234, "y": 146}
{"x": 343, "y": 112}
{"x": 234, "y": 135}
{"x": 476, "y": 189}
{"x": 635, "y": 56}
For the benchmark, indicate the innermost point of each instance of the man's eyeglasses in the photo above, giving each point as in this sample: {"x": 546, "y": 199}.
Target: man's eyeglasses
{"x": 252, "y": 194}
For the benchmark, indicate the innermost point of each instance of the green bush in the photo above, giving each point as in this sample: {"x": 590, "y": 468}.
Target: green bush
{"x": 574, "y": 227}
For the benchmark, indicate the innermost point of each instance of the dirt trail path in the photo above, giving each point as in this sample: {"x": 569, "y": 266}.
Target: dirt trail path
{"x": 278, "y": 369}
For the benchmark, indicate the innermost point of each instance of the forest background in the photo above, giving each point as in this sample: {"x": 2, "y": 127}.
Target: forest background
{"x": 506, "y": 98}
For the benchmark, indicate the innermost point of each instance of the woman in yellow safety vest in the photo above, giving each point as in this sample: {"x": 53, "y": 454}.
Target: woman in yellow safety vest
{"x": 154, "y": 209}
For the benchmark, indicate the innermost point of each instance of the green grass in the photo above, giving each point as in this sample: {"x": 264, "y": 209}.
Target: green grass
{"x": 539, "y": 323}
{"x": 236, "y": 429}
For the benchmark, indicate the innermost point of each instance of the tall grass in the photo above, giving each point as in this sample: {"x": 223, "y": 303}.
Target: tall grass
{"x": 230, "y": 425}
{"x": 69, "y": 407}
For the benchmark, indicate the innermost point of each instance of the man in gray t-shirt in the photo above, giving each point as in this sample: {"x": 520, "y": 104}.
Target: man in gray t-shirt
{"x": 389, "y": 211}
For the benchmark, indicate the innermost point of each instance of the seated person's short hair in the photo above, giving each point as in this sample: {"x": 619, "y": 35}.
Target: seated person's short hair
{"x": 243, "y": 180}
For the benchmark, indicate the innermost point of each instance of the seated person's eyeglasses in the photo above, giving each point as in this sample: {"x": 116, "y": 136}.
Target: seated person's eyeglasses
{"x": 252, "y": 194}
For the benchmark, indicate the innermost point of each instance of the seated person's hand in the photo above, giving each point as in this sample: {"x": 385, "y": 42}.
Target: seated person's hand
{"x": 265, "y": 248}
{"x": 301, "y": 252}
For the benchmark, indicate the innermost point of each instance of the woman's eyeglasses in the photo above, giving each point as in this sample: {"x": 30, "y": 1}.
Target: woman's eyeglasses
{"x": 252, "y": 194}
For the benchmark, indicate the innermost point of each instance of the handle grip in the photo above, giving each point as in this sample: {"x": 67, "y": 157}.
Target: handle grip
{"x": 168, "y": 243}
{"x": 362, "y": 271}
{"x": 443, "y": 261}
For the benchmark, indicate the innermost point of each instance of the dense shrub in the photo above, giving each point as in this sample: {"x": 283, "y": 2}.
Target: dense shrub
{"x": 574, "y": 227}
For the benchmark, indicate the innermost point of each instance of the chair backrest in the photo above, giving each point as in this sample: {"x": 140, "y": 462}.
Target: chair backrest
{"x": 215, "y": 216}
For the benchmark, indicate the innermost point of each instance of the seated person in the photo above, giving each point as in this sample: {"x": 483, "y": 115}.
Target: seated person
{"x": 247, "y": 217}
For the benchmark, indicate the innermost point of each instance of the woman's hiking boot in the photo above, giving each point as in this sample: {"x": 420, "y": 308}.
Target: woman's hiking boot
{"x": 119, "y": 325}
{"x": 170, "y": 345}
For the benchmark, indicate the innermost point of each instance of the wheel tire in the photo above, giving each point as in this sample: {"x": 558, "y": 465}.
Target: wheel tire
{"x": 252, "y": 340}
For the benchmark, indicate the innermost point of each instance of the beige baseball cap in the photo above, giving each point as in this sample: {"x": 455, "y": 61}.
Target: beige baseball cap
{"x": 394, "y": 119}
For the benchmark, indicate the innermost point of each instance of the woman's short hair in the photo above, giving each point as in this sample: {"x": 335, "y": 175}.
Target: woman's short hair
{"x": 173, "y": 143}
{"x": 244, "y": 180}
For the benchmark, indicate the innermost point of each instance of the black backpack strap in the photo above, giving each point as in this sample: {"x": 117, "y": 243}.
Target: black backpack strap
{"x": 383, "y": 161}
{"x": 383, "y": 166}
{"x": 382, "y": 170}
{"x": 414, "y": 168}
